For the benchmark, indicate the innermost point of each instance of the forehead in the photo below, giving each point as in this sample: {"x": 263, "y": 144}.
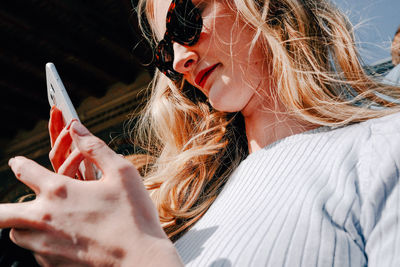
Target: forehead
{"x": 160, "y": 9}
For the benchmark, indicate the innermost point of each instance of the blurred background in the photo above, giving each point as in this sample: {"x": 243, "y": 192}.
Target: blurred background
{"x": 101, "y": 57}
{"x": 375, "y": 22}
{"x": 103, "y": 61}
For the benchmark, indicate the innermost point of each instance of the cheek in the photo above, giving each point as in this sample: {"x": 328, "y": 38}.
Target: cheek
{"x": 220, "y": 26}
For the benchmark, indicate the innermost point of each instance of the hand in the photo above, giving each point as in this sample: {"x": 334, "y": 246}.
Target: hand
{"x": 56, "y": 126}
{"x": 61, "y": 144}
{"x": 108, "y": 222}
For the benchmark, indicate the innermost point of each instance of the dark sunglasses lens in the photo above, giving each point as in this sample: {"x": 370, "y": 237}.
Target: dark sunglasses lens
{"x": 164, "y": 59}
{"x": 184, "y": 22}
{"x": 184, "y": 25}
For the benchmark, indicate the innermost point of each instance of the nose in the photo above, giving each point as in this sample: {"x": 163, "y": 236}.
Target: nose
{"x": 184, "y": 59}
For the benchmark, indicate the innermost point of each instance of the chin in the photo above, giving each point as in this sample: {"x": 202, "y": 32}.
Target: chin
{"x": 223, "y": 107}
{"x": 227, "y": 102}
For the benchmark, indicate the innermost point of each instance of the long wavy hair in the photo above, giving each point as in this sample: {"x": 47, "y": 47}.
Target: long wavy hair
{"x": 317, "y": 75}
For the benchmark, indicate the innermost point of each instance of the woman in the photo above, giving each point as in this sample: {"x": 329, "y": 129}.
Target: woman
{"x": 320, "y": 186}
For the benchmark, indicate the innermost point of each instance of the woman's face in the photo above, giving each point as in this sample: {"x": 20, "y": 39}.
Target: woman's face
{"x": 221, "y": 64}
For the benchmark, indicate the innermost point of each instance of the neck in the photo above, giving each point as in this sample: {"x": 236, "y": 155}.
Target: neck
{"x": 266, "y": 124}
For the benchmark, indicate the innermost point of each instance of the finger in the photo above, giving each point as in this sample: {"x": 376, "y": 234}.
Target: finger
{"x": 17, "y": 235}
{"x": 71, "y": 164}
{"x": 41, "y": 260}
{"x": 17, "y": 215}
{"x": 31, "y": 239}
{"x": 94, "y": 148}
{"x": 56, "y": 123}
{"x": 45, "y": 260}
{"x": 49, "y": 246}
{"x": 29, "y": 172}
{"x": 76, "y": 164}
{"x": 90, "y": 170}
{"x": 34, "y": 240}
{"x": 61, "y": 148}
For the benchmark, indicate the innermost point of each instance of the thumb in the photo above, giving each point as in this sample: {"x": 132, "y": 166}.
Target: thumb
{"x": 93, "y": 148}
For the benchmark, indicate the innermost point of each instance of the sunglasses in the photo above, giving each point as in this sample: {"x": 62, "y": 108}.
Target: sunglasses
{"x": 183, "y": 26}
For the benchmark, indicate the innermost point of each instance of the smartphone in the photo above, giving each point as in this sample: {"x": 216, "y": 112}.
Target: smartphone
{"x": 57, "y": 94}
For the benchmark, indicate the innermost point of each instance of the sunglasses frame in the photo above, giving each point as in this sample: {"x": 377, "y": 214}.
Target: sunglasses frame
{"x": 181, "y": 27}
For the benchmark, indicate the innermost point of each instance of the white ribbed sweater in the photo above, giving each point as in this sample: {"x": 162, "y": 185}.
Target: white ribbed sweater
{"x": 327, "y": 197}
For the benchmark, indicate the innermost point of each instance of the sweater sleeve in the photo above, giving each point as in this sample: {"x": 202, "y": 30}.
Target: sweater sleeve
{"x": 380, "y": 193}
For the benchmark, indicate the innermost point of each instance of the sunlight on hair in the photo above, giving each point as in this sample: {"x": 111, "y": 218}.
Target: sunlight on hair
{"x": 316, "y": 75}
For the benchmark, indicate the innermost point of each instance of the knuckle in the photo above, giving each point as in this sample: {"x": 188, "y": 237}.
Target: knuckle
{"x": 92, "y": 144}
{"x": 46, "y": 217}
{"x": 43, "y": 218}
{"x": 125, "y": 169}
{"x": 55, "y": 190}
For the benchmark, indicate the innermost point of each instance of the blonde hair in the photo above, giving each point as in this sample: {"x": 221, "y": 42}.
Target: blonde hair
{"x": 316, "y": 74}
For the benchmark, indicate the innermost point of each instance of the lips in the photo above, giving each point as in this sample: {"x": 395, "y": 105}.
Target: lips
{"x": 203, "y": 75}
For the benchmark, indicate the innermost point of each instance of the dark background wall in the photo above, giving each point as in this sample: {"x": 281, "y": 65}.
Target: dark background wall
{"x": 96, "y": 47}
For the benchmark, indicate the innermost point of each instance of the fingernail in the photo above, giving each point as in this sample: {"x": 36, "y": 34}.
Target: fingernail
{"x": 79, "y": 129}
{"x": 70, "y": 123}
{"x": 10, "y": 161}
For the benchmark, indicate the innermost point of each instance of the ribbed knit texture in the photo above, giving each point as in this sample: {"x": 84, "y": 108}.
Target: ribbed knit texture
{"x": 327, "y": 197}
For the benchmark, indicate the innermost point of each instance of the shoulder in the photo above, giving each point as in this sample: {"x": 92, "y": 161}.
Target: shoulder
{"x": 384, "y": 135}
{"x": 374, "y": 134}
{"x": 356, "y": 143}
{"x": 388, "y": 123}
{"x": 378, "y": 167}
{"x": 379, "y": 143}
{"x": 382, "y": 146}
{"x": 379, "y": 188}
